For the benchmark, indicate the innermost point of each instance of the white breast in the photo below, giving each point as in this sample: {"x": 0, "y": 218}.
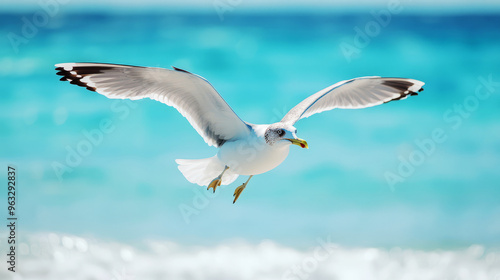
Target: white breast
{"x": 252, "y": 155}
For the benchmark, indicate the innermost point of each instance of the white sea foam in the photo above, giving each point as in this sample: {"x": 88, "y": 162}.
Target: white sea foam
{"x": 55, "y": 256}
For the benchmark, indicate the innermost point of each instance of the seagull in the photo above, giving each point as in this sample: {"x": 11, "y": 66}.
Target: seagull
{"x": 243, "y": 148}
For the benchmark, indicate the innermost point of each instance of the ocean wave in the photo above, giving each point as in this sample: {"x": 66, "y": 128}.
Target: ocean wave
{"x": 58, "y": 256}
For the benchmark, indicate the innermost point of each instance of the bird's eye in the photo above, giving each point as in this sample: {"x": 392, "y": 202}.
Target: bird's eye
{"x": 281, "y": 132}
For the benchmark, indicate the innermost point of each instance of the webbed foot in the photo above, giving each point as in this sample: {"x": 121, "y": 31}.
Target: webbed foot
{"x": 238, "y": 191}
{"x": 215, "y": 183}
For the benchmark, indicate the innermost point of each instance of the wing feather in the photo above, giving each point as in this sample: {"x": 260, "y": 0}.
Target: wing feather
{"x": 354, "y": 94}
{"x": 193, "y": 96}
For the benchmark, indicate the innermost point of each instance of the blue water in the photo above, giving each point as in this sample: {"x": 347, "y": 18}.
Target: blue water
{"x": 128, "y": 186}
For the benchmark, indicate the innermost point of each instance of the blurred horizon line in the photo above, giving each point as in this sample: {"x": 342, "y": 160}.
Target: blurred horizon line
{"x": 242, "y": 7}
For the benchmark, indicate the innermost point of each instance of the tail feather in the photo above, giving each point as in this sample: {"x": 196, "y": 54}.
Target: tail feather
{"x": 203, "y": 171}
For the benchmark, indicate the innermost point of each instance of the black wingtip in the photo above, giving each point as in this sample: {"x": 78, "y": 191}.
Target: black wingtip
{"x": 76, "y": 73}
{"x": 403, "y": 86}
{"x": 181, "y": 70}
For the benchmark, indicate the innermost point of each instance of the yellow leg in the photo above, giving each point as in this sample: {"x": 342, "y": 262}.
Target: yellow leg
{"x": 239, "y": 189}
{"x": 217, "y": 181}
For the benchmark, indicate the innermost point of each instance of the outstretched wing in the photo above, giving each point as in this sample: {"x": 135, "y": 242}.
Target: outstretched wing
{"x": 354, "y": 94}
{"x": 193, "y": 96}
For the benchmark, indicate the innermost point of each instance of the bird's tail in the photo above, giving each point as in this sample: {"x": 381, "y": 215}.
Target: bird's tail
{"x": 203, "y": 171}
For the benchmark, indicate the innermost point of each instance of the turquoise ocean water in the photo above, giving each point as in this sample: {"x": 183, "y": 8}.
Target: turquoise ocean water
{"x": 443, "y": 146}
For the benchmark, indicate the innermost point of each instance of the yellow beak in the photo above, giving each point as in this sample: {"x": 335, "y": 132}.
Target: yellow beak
{"x": 299, "y": 142}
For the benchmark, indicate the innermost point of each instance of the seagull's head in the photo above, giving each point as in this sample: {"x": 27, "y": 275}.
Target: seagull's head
{"x": 282, "y": 134}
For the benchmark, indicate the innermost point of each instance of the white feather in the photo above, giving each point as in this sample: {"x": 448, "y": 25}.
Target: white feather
{"x": 354, "y": 94}
{"x": 203, "y": 171}
{"x": 193, "y": 96}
